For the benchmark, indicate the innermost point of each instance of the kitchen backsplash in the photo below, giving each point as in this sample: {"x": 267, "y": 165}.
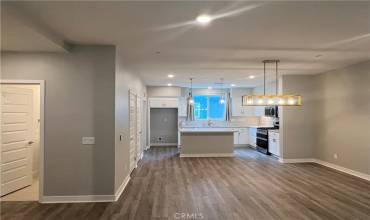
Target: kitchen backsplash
{"x": 235, "y": 122}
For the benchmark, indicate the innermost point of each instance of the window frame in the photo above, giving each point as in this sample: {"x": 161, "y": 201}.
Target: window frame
{"x": 208, "y": 108}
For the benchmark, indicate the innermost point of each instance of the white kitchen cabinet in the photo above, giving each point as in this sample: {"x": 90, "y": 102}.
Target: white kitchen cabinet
{"x": 274, "y": 147}
{"x": 244, "y": 136}
{"x": 182, "y": 107}
{"x": 252, "y": 137}
{"x": 236, "y": 102}
{"x": 241, "y": 136}
{"x": 163, "y": 102}
{"x": 236, "y": 138}
{"x": 259, "y": 110}
{"x": 239, "y": 110}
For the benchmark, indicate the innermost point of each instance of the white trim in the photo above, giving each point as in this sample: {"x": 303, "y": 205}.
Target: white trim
{"x": 42, "y": 128}
{"x": 147, "y": 147}
{"x": 208, "y": 155}
{"x": 88, "y": 198}
{"x": 329, "y": 165}
{"x": 121, "y": 188}
{"x": 300, "y": 160}
{"x": 344, "y": 170}
{"x": 78, "y": 199}
{"x": 163, "y": 144}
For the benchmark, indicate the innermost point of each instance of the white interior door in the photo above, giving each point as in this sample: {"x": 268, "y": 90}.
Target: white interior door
{"x": 16, "y": 136}
{"x": 133, "y": 134}
{"x": 138, "y": 128}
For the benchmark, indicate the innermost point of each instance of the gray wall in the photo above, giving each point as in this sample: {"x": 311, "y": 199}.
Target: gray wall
{"x": 334, "y": 117}
{"x": 344, "y": 119}
{"x": 79, "y": 102}
{"x": 163, "y": 124}
{"x": 164, "y": 91}
{"x": 297, "y": 132}
{"x": 126, "y": 79}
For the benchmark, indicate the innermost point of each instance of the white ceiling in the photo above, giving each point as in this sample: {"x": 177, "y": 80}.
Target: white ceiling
{"x": 158, "y": 38}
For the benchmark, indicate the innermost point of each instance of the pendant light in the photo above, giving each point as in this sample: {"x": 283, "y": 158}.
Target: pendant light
{"x": 190, "y": 99}
{"x": 222, "y": 100}
{"x": 271, "y": 100}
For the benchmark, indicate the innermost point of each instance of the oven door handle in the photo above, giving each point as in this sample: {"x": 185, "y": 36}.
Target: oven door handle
{"x": 264, "y": 139}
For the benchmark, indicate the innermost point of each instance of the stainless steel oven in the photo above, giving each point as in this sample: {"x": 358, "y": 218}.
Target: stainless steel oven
{"x": 262, "y": 140}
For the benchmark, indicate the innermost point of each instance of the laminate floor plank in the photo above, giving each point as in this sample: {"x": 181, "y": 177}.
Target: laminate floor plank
{"x": 248, "y": 186}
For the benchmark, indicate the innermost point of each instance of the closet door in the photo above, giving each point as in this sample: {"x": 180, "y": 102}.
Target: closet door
{"x": 16, "y": 139}
{"x": 133, "y": 132}
{"x": 138, "y": 129}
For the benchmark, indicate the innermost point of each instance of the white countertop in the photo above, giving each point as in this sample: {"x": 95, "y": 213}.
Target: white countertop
{"x": 197, "y": 130}
{"x": 216, "y": 129}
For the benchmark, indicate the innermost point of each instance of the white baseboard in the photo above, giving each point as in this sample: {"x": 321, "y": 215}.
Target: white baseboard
{"x": 163, "y": 144}
{"x": 208, "y": 155}
{"x": 121, "y": 188}
{"x": 147, "y": 147}
{"x": 77, "y": 199}
{"x": 300, "y": 160}
{"x": 241, "y": 145}
{"x": 87, "y": 198}
{"x": 344, "y": 170}
{"x": 327, "y": 164}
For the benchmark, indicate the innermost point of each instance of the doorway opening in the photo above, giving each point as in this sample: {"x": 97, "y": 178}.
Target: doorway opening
{"x": 22, "y": 130}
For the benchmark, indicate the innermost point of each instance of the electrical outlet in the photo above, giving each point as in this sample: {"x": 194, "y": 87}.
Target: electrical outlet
{"x": 88, "y": 140}
{"x": 335, "y": 156}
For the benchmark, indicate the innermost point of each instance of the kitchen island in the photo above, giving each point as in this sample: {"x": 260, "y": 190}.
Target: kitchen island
{"x": 207, "y": 142}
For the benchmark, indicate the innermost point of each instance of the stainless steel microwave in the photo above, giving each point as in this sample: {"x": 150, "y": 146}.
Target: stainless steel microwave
{"x": 271, "y": 111}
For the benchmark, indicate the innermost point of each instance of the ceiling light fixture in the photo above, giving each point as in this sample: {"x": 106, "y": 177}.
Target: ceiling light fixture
{"x": 203, "y": 19}
{"x": 271, "y": 100}
{"x": 170, "y": 75}
{"x": 251, "y": 77}
{"x": 169, "y": 84}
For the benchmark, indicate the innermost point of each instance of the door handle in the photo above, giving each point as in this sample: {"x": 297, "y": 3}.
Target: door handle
{"x": 30, "y": 142}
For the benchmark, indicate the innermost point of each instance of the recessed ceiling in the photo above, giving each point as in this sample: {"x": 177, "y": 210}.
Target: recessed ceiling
{"x": 161, "y": 38}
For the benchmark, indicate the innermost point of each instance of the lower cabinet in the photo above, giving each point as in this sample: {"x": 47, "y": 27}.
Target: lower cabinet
{"x": 252, "y": 137}
{"x": 274, "y": 146}
{"x": 241, "y": 136}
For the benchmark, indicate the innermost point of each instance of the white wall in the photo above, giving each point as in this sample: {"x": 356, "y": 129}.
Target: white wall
{"x": 164, "y": 91}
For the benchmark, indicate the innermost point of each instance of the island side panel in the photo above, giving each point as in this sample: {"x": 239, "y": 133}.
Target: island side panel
{"x": 207, "y": 144}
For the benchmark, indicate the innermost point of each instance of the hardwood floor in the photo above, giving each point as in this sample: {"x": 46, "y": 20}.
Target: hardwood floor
{"x": 248, "y": 186}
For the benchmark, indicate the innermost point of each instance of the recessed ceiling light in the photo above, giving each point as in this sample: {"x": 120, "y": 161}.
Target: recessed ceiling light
{"x": 232, "y": 85}
{"x": 251, "y": 77}
{"x": 170, "y": 75}
{"x": 209, "y": 87}
{"x": 169, "y": 84}
{"x": 203, "y": 19}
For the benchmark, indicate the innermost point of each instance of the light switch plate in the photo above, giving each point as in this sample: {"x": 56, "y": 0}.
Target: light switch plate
{"x": 88, "y": 140}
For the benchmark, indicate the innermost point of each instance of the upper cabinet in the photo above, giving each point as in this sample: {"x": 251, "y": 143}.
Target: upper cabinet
{"x": 236, "y": 104}
{"x": 163, "y": 102}
{"x": 182, "y": 107}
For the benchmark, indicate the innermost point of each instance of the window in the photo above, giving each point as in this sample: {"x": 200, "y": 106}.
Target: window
{"x": 209, "y": 108}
